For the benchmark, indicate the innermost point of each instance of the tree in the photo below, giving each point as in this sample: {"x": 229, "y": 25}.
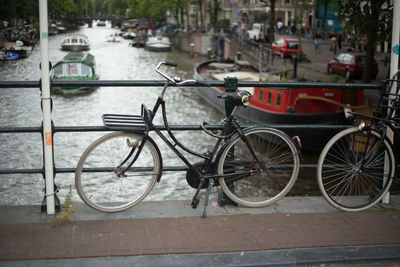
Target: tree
{"x": 323, "y": 26}
{"x": 372, "y": 18}
{"x": 271, "y": 29}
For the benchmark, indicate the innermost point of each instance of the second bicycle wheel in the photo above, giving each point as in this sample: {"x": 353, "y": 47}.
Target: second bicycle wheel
{"x": 256, "y": 184}
{"x": 98, "y": 180}
{"x": 351, "y": 170}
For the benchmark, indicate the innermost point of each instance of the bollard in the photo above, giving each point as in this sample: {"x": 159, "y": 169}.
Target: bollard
{"x": 238, "y": 55}
{"x": 192, "y": 49}
{"x": 230, "y": 86}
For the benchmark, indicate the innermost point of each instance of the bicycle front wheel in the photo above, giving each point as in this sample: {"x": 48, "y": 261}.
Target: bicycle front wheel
{"x": 351, "y": 170}
{"x": 253, "y": 183}
{"x": 98, "y": 177}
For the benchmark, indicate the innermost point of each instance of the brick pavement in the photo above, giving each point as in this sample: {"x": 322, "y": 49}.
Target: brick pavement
{"x": 216, "y": 234}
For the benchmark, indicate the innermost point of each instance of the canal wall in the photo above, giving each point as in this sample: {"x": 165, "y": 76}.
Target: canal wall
{"x": 209, "y": 44}
{"x": 194, "y": 43}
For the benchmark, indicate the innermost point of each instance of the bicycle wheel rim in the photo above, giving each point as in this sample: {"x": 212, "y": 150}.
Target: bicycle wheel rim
{"x": 351, "y": 170}
{"x": 277, "y": 153}
{"x": 96, "y": 180}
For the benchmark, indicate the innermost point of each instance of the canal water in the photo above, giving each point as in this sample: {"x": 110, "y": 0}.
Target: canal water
{"x": 115, "y": 61}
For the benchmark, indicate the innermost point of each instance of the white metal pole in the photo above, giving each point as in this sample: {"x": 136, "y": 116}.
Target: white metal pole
{"x": 46, "y": 106}
{"x": 394, "y": 65}
{"x": 394, "y": 56}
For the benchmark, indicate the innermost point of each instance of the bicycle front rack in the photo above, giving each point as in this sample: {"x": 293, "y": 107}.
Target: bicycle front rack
{"x": 124, "y": 122}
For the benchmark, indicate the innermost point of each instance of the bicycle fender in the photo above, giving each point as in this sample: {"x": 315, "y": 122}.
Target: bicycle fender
{"x": 149, "y": 139}
{"x": 160, "y": 156}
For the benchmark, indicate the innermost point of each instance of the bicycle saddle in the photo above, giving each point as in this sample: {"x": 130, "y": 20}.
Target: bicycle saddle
{"x": 238, "y": 98}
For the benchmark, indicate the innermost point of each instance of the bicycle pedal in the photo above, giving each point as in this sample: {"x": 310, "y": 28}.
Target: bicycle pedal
{"x": 195, "y": 203}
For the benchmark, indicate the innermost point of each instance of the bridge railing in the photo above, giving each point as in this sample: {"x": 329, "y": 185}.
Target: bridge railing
{"x": 159, "y": 83}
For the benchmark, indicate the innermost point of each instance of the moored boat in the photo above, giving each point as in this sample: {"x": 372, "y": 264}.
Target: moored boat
{"x": 75, "y": 42}
{"x": 113, "y": 38}
{"x": 75, "y": 66}
{"x": 288, "y": 106}
{"x": 158, "y": 43}
{"x": 19, "y": 47}
{"x": 8, "y": 56}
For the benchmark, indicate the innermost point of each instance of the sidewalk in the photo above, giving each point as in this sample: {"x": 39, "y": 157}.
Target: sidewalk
{"x": 317, "y": 68}
{"x": 297, "y": 231}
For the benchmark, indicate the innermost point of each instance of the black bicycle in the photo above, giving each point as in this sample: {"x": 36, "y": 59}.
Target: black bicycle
{"x": 357, "y": 166}
{"x": 255, "y": 166}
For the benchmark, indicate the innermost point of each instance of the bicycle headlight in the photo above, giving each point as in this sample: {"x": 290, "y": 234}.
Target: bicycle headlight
{"x": 361, "y": 126}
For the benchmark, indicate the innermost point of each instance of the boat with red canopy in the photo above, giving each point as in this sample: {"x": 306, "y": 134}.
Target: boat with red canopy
{"x": 281, "y": 105}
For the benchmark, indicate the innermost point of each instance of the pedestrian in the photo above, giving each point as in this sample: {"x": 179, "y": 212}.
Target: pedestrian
{"x": 339, "y": 41}
{"x": 333, "y": 41}
{"x": 293, "y": 30}
{"x": 279, "y": 25}
{"x": 317, "y": 40}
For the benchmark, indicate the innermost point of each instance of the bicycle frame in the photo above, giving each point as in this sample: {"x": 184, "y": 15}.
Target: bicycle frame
{"x": 208, "y": 156}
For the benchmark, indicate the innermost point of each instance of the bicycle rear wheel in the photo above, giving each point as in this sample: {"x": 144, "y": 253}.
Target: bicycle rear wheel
{"x": 97, "y": 180}
{"x": 256, "y": 184}
{"x": 351, "y": 169}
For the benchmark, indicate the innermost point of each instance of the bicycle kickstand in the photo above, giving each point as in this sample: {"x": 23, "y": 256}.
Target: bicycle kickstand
{"x": 210, "y": 185}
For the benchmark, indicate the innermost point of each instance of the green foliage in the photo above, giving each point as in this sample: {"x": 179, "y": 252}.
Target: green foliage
{"x": 223, "y": 23}
{"x": 364, "y": 16}
{"x": 67, "y": 208}
{"x": 149, "y": 9}
{"x": 334, "y": 78}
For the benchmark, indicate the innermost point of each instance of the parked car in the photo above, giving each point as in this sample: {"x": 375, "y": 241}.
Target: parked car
{"x": 285, "y": 47}
{"x": 350, "y": 65}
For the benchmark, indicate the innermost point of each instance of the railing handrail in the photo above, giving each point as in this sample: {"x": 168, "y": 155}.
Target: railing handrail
{"x": 159, "y": 83}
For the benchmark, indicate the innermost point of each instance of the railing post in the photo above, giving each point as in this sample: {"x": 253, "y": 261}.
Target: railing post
{"x": 230, "y": 86}
{"x": 394, "y": 63}
{"x": 46, "y": 109}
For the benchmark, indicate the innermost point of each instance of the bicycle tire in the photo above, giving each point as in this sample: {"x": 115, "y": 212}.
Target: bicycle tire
{"x": 351, "y": 173}
{"x": 258, "y": 188}
{"x": 99, "y": 186}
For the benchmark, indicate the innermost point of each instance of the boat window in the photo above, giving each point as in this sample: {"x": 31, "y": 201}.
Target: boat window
{"x": 269, "y": 98}
{"x": 72, "y": 69}
{"x": 86, "y": 70}
{"x": 261, "y": 96}
{"x": 58, "y": 71}
{"x": 278, "y": 99}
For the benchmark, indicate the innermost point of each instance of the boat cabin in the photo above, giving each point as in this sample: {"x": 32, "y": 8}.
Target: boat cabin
{"x": 295, "y": 100}
{"x": 304, "y": 100}
{"x": 76, "y": 42}
{"x": 75, "y": 66}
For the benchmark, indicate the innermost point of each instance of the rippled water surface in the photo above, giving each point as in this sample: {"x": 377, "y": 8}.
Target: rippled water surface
{"x": 115, "y": 61}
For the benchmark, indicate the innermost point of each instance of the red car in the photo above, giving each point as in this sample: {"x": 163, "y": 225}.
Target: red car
{"x": 286, "y": 47}
{"x": 350, "y": 65}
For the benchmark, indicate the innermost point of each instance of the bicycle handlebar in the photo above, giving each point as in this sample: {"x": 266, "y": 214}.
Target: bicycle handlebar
{"x": 176, "y": 81}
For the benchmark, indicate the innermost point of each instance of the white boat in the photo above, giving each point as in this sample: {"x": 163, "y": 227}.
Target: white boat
{"x": 75, "y": 42}
{"x": 158, "y": 43}
{"x": 113, "y": 38}
{"x": 129, "y": 35}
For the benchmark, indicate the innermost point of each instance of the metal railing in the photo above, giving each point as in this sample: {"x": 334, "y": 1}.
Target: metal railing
{"x": 159, "y": 83}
